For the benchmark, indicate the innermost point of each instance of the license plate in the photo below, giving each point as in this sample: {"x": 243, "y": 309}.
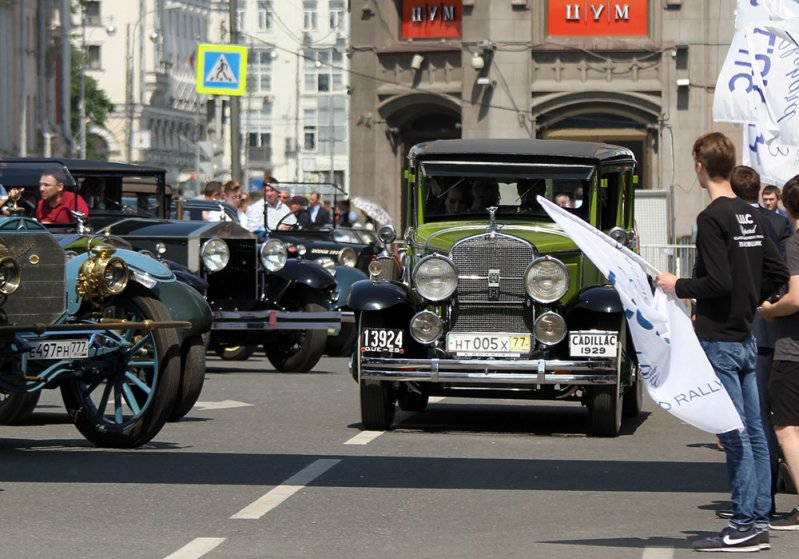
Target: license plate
{"x": 488, "y": 344}
{"x": 381, "y": 340}
{"x": 593, "y": 343}
{"x": 59, "y": 349}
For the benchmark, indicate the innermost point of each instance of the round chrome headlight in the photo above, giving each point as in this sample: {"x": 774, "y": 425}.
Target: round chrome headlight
{"x": 426, "y": 327}
{"x": 435, "y": 278}
{"x": 115, "y": 275}
{"x": 347, "y": 257}
{"x": 215, "y": 255}
{"x": 273, "y": 255}
{"x": 546, "y": 279}
{"x": 9, "y": 275}
{"x": 549, "y": 328}
{"x": 327, "y": 263}
{"x": 386, "y": 234}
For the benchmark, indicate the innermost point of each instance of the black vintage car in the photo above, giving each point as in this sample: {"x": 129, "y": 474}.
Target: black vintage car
{"x": 255, "y": 295}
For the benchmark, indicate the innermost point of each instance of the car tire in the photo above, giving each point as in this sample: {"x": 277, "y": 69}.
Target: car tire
{"x": 192, "y": 376}
{"x": 145, "y": 373}
{"x": 342, "y": 344}
{"x": 604, "y": 411}
{"x": 297, "y": 351}
{"x": 236, "y": 353}
{"x": 634, "y": 396}
{"x": 377, "y": 405}
{"x": 16, "y": 407}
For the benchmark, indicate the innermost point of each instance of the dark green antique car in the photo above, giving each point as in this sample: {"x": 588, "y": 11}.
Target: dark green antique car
{"x": 492, "y": 298}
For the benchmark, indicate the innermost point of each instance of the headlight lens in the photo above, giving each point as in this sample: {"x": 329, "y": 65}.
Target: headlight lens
{"x": 327, "y": 263}
{"x": 215, "y": 255}
{"x": 426, "y": 327}
{"x": 386, "y": 234}
{"x": 347, "y": 257}
{"x": 546, "y": 280}
{"x": 435, "y": 278}
{"x": 9, "y": 275}
{"x": 273, "y": 255}
{"x": 115, "y": 276}
{"x": 550, "y": 328}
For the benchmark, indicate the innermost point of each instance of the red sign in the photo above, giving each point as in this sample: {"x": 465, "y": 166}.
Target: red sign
{"x": 570, "y": 18}
{"x": 431, "y": 20}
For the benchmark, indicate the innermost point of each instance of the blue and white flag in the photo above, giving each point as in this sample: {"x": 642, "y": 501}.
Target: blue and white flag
{"x": 775, "y": 162}
{"x": 748, "y": 12}
{"x": 677, "y": 374}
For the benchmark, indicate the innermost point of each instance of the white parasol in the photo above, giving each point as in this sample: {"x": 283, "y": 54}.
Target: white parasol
{"x": 372, "y": 209}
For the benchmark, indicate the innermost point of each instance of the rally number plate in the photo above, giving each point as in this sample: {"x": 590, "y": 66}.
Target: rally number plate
{"x": 593, "y": 343}
{"x": 488, "y": 344}
{"x": 59, "y": 349}
{"x": 382, "y": 340}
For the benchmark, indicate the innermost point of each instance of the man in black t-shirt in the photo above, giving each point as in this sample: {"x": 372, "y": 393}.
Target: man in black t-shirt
{"x": 737, "y": 267}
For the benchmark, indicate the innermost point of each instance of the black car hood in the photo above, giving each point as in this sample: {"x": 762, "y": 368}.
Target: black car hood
{"x": 178, "y": 229}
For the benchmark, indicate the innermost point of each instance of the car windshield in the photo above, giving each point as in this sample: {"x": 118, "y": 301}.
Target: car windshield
{"x": 453, "y": 196}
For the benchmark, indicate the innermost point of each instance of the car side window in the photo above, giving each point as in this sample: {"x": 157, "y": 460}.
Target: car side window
{"x": 609, "y": 200}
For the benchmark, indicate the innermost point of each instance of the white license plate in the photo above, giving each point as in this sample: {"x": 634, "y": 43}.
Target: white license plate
{"x": 593, "y": 343}
{"x": 59, "y": 349}
{"x": 381, "y": 340}
{"x": 488, "y": 344}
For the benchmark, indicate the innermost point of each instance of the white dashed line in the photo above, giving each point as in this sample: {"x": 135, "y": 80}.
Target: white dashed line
{"x": 658, "y": 553}
{"x": 364, "y": 437}
{"x": 196, "y": 548}
{"x": 285, "y": 490}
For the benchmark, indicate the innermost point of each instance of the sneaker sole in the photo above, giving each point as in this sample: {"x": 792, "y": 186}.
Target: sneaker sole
{"x": 793, "y": 528}
{"x": 751, "y": 549}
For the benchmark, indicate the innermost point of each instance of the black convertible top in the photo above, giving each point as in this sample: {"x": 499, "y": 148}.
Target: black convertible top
{"x": 84, "y": 166}
{"x": 505, "y": 148}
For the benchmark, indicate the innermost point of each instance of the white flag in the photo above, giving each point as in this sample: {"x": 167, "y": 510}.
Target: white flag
{"x": 775, "y": 162}
{"x": 757, "y": 11}
{"x": 759, "y": 81}
{"x": 677, "y": 374}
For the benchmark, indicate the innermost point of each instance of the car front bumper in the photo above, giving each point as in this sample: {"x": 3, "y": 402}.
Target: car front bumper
{"x": 271, "y": 320}
{"x": 484, "y": 371}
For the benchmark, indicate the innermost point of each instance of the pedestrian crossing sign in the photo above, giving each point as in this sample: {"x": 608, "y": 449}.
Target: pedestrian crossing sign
{"x": 221, "y": 69}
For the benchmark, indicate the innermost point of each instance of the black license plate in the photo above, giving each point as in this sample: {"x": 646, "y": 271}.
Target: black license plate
{"x": 382, "y": 340}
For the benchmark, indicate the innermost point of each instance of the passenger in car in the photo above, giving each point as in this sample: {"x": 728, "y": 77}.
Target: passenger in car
{"x": 485, "y": 193}
{"x": 457, "y": 199}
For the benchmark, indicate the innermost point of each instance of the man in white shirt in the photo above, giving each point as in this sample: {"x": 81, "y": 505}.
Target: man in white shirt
{"x": 275, "y": 210}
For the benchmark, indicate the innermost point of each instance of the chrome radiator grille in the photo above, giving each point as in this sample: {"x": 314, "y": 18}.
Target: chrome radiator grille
{"x": 491, "y": 296}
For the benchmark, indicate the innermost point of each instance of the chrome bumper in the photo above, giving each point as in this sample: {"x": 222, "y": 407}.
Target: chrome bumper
{"x": 269, "y": 320}
{"x": 478, "y": 371}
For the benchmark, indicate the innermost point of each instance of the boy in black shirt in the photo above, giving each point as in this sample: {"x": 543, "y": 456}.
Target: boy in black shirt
{"x": 737, "y": 266}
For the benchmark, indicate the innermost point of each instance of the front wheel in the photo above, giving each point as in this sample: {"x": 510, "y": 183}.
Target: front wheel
{"x": 604, "y": 411}
{"x": 297, "y": 350}
{"x": 126, "y": 391}
{"x": 236, "y": 353}
{"x": 16, "y": 407}
{"x": 377, "y": 405}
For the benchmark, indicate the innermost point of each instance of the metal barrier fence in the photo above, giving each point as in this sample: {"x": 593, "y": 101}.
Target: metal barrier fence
{"x": 677, "y": 258}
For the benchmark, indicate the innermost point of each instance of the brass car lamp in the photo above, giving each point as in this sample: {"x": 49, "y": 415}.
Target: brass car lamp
{"x": 9, "y": 272}
{"x": 102, "y": 275}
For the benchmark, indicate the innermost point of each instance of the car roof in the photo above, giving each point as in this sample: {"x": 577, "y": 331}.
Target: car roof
{"x": 85, "y": 166}
{"x": 538, "y": 148}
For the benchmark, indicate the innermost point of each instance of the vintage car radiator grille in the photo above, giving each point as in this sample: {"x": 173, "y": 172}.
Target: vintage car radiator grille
{"x": 41, "y": 296}
{"x": 491, "y": 296}
{"x": 239, "y": 278}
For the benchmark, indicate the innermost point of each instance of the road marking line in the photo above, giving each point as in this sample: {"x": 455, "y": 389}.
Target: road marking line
{"x": 658, "y": 553}
{"x": 273, "y": 498}
{"x": 223, "y": 405}
{"x": 364, "y": 437}
{"x": 196, "y": 548}
{"x": 435, "y": 399}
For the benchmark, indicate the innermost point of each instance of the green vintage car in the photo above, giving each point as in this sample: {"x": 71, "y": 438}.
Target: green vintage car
{"x": 491, "y": 299}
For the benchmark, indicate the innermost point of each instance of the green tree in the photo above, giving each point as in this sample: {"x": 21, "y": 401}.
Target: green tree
{"x": 97, "y": 108}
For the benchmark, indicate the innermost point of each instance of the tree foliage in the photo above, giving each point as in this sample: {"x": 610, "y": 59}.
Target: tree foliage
{"x": 97, "y": 108}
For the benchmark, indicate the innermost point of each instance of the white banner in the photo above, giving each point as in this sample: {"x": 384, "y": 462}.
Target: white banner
{"x": 677, "y": 374}
{"x": 759, "y": 81}
{"x": 775, "y": 162}
{"x": 758, "y": 11}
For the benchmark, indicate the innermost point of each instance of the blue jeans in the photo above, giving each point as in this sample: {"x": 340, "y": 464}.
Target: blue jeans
{"x": 748, "y": 464}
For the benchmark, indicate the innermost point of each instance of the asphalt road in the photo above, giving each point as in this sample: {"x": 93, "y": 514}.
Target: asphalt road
{"x": 272, "y": 465}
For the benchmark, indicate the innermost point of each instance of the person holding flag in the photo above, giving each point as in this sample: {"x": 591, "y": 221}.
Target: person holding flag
{"x": 737, "y": 267}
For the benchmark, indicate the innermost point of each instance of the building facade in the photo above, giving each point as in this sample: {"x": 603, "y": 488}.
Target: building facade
{"x": 639, "y": 73}
{"x": 35, "y": 89}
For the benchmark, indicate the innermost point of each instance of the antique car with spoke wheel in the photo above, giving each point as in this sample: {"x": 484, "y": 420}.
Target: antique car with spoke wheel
{"x": 492, "y": 299}
{"x": 242, "y": 280}
{"x": 91, "y": 325}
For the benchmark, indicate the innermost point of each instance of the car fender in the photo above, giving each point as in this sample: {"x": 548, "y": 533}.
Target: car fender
{"x": 345, "y": 277}
{"x": 367, "y": 295}
{"x": 306, "y": 273}
{"x": 143, "y": 269}
{"x": 185, "y": 303}
{"x": 603, "y": 299}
